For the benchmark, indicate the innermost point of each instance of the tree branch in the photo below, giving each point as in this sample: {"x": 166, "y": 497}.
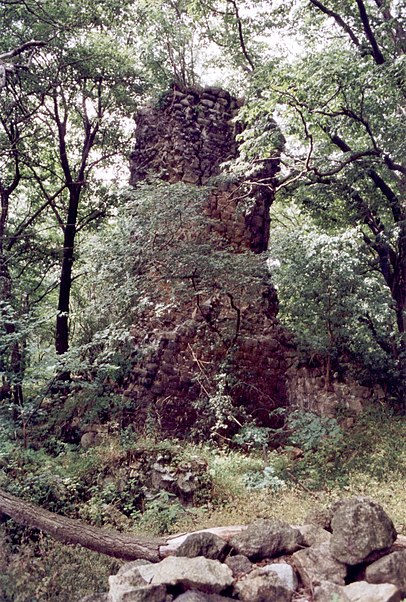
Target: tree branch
{"x": 340, "y": 22}
{"x": 375, "y": 177}
{"x": 241, "y": 35}
{"x": 24, "y": 225}
{"x": 90, "y": 218}
{"x": 376, "y": 52}
{"x": 17, "y": 51}
{"x": 398, "y": 33}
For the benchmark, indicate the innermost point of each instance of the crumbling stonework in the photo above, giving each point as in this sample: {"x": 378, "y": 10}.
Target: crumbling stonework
{"x": 217, "y": 341}
{"x": 220, "y": 343}
{"x": 308, "y": 391}
{"x": 187, "y": 139}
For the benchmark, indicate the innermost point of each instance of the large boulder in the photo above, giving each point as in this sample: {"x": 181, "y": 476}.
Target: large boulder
{"x": 360, "y": 526}
{"x": 389, "y": 569}
{"x": 316, "y": 564}
{"x": 263, "y": 586}
{"x": 266, "y": 539}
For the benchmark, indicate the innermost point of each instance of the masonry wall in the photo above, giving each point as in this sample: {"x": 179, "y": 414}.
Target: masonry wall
{"x": 226, "y": 332}
{"x": 226, "y": 343}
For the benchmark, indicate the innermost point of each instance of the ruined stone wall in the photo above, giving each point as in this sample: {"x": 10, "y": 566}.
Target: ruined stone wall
{"x": 224, "y": 329}
{"x": 229, "y": 328}
{"x": 187, "y": 139}
{"x": 308, "y": 391}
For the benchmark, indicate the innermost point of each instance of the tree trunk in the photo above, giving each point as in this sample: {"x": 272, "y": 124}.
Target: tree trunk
{"x": 109, "y": 542}
{"x": 399, "y": 292}
{"x": 71, "y": 531}
{"x": 65, "y": 282}
{"x": 5, "y": 282}
{"x": 14, "y": 356}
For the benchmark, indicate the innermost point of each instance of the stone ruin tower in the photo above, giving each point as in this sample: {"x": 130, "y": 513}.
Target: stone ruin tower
{"x": 216, "y": 343}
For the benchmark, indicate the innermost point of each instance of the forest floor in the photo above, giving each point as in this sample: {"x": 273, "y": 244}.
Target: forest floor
{"x": 99, "y": 485}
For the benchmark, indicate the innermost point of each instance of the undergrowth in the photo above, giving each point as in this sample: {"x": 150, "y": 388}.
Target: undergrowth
{"x": 104, "y": 485}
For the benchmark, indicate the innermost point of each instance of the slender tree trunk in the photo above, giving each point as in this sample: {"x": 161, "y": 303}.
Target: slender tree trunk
{"x": 399, "y": 289}
{"x": 65, "y": 283}
{"x": 399, "y": 295}
{"x": 4, "y": 295}
{"x": 5, "y": 288}
{"x": 14, "y": 359}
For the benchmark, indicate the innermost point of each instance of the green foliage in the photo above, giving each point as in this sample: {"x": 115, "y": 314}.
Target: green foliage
{"x": 95, "y": 485}
{"x": 252, "y": 436}
{"x": 167, "y": 42}
{"x": 332, "y": 459}
{"x": 161, "y": 513}
{"x": 267, "y": 479}
{"x": 48, "y": 571}
{"x": 339, "y": 307}
{"x": 340, "y": 160}
{"x": 114, "y": 501}
{"x": 310, "y": 431}
{"x": 375, "y": 446}
{"x": 65, "y": 123}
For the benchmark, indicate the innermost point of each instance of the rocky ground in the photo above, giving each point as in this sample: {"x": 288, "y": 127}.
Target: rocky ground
{"x": 350, "y": 553}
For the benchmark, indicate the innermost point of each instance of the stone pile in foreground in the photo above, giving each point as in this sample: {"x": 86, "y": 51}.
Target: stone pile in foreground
{"x": 352, "y": 557}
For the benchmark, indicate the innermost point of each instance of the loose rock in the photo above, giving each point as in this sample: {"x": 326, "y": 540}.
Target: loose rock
{"x": 360, "y": 526}
{"x": 145, "y": 593}
{"x": 328, "y": 592}
{"x": 129, "y": 566}
{"x": 200, "y": 597}
{"x": 361, "y": 591}
{"x": 260, "y": 586}
{"x": 267, "y": 539}
{"x": 320, "y": 517}
{"x": 314, "y": 535}
{"x": 316, "y": 564}
{"x": 285, "y": 573}
{"x": 130, "y": 578}
{"x": 389, "y": 569}
{"x": 204, "y": 544}
{"x": 199, "y": 573}
{"x": 363, "y": 524}
{"x": 239, "y": 565}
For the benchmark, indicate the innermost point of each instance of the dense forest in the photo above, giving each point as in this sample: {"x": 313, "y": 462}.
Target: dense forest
{"x": 202, "y": 267}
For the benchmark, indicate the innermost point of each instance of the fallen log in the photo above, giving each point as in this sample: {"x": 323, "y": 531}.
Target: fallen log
{"x": 105, "y": 541}
{"x": 73, "y": 531}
